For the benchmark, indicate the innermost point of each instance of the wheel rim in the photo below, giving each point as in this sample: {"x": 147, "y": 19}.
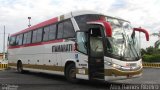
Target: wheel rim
{"x": 72, "y": 74}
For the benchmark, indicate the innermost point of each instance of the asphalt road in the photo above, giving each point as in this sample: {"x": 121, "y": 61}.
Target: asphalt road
{"x": 11, "y": 80}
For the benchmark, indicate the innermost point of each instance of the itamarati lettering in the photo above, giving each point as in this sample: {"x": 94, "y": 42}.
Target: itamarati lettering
{"x": 62, "y": 48}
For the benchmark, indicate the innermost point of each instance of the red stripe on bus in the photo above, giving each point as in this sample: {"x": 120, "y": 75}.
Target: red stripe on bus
{"x": 42, "y": 24}
{"x": 36, "y": 44}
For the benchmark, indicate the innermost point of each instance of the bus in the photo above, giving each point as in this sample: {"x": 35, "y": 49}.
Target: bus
{"x": 79, "y": 45}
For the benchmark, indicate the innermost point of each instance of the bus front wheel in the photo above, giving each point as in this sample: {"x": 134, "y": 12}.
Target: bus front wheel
{"x": 70, "y": 73}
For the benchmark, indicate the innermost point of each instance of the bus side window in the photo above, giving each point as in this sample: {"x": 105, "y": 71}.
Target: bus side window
{"x": 81, "y": 42}
{"x": 82, "y": 19}
{"x": 60, "y": 31}
{"x": 39, "y": 35}
{"x": 65, "y": 29}
{"x": 12, "y": 41}
{"x": 19, "y": 39}
{"x": 34, "y": 36}
{"x": 28, "y": 39}
{"x": 52, "y": 32}
{"x": 68, "y": 29}
{"x": 25, "y": 38}
{"x": 46, "y": 33}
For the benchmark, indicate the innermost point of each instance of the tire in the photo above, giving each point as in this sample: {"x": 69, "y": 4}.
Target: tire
{"x": 70, "y": 73}
{"x": 20, "y": 67}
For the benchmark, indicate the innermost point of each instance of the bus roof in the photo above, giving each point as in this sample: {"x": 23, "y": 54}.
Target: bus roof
{"x": 56, "y": 19}
{"x": 45, "y": 23}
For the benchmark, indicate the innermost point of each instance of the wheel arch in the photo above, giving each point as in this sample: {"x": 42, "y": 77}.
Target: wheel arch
{"x": 68, "y": 63}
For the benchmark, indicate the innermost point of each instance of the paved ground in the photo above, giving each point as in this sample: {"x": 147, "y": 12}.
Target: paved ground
{"x": 10, "y": 79}
{"x": 150, "y": 76}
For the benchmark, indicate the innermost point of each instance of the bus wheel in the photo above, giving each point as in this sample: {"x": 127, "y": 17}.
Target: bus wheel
{"x": 19, "y": 67}
{"x": 70, "y": 73}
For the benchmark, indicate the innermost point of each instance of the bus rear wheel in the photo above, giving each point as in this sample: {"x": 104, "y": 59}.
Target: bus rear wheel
{"x": 20, "y": 67}
{"x": 70, "y": 73}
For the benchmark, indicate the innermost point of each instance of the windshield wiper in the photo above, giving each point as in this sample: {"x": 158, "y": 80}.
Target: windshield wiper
{"x": 131, "y": 48}
{"x": 131, "y": 51}
{"x": 136, "y": 52}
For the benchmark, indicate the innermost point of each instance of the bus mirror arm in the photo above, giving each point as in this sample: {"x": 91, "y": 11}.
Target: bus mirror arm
{"x": 144, "y": 31}
{"x": 108, "y": 29}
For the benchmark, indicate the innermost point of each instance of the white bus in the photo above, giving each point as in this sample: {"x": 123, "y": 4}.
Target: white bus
{"x": 79, "y": 45}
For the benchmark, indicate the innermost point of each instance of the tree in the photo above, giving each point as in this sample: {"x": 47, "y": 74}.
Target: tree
{"x": 150, "y": 50}
{"x": 143, "y": 51}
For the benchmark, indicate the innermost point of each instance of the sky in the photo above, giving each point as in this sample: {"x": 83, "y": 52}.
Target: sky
{"x": 141, "y": 13}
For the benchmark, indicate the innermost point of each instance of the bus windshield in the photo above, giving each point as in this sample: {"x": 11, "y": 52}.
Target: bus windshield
{"x": 123, "y": 42}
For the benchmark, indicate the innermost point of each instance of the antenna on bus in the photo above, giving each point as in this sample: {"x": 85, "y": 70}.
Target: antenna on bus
{"x": 29, "y": 19}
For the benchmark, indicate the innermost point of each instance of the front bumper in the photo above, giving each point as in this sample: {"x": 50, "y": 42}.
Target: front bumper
{"x": 115, "y": 74}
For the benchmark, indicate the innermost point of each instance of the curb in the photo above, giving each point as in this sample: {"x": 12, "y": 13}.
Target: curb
{"x": 152, "y": 65}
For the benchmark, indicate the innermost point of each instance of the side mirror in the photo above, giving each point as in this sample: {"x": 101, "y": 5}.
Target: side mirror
{"x": 106, "y": 25}
{"x": 144, "y": 31}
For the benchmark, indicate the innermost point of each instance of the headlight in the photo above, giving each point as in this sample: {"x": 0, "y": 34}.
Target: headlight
{"x": 113, "y": 65}
{"x": 116, "y": 66}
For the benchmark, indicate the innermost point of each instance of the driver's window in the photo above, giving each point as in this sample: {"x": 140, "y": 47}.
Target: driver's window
{"x": 96, "y": 44}
{"x": 81, "y": 42}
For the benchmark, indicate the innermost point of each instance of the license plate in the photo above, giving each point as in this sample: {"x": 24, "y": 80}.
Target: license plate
{"x": 132, "y": 64}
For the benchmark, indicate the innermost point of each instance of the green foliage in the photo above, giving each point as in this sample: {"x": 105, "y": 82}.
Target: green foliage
{"x": 143, "y": 51}
{"x": 150, "y": 54}
{"x": 151, "y": 58}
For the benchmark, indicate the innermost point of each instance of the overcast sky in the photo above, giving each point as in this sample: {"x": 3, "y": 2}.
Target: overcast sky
{"x": 14, "y": 13}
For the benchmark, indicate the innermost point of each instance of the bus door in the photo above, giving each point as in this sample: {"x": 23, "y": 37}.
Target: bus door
{"x": 82, "y": 55}
{"x": 95, "y": 53}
